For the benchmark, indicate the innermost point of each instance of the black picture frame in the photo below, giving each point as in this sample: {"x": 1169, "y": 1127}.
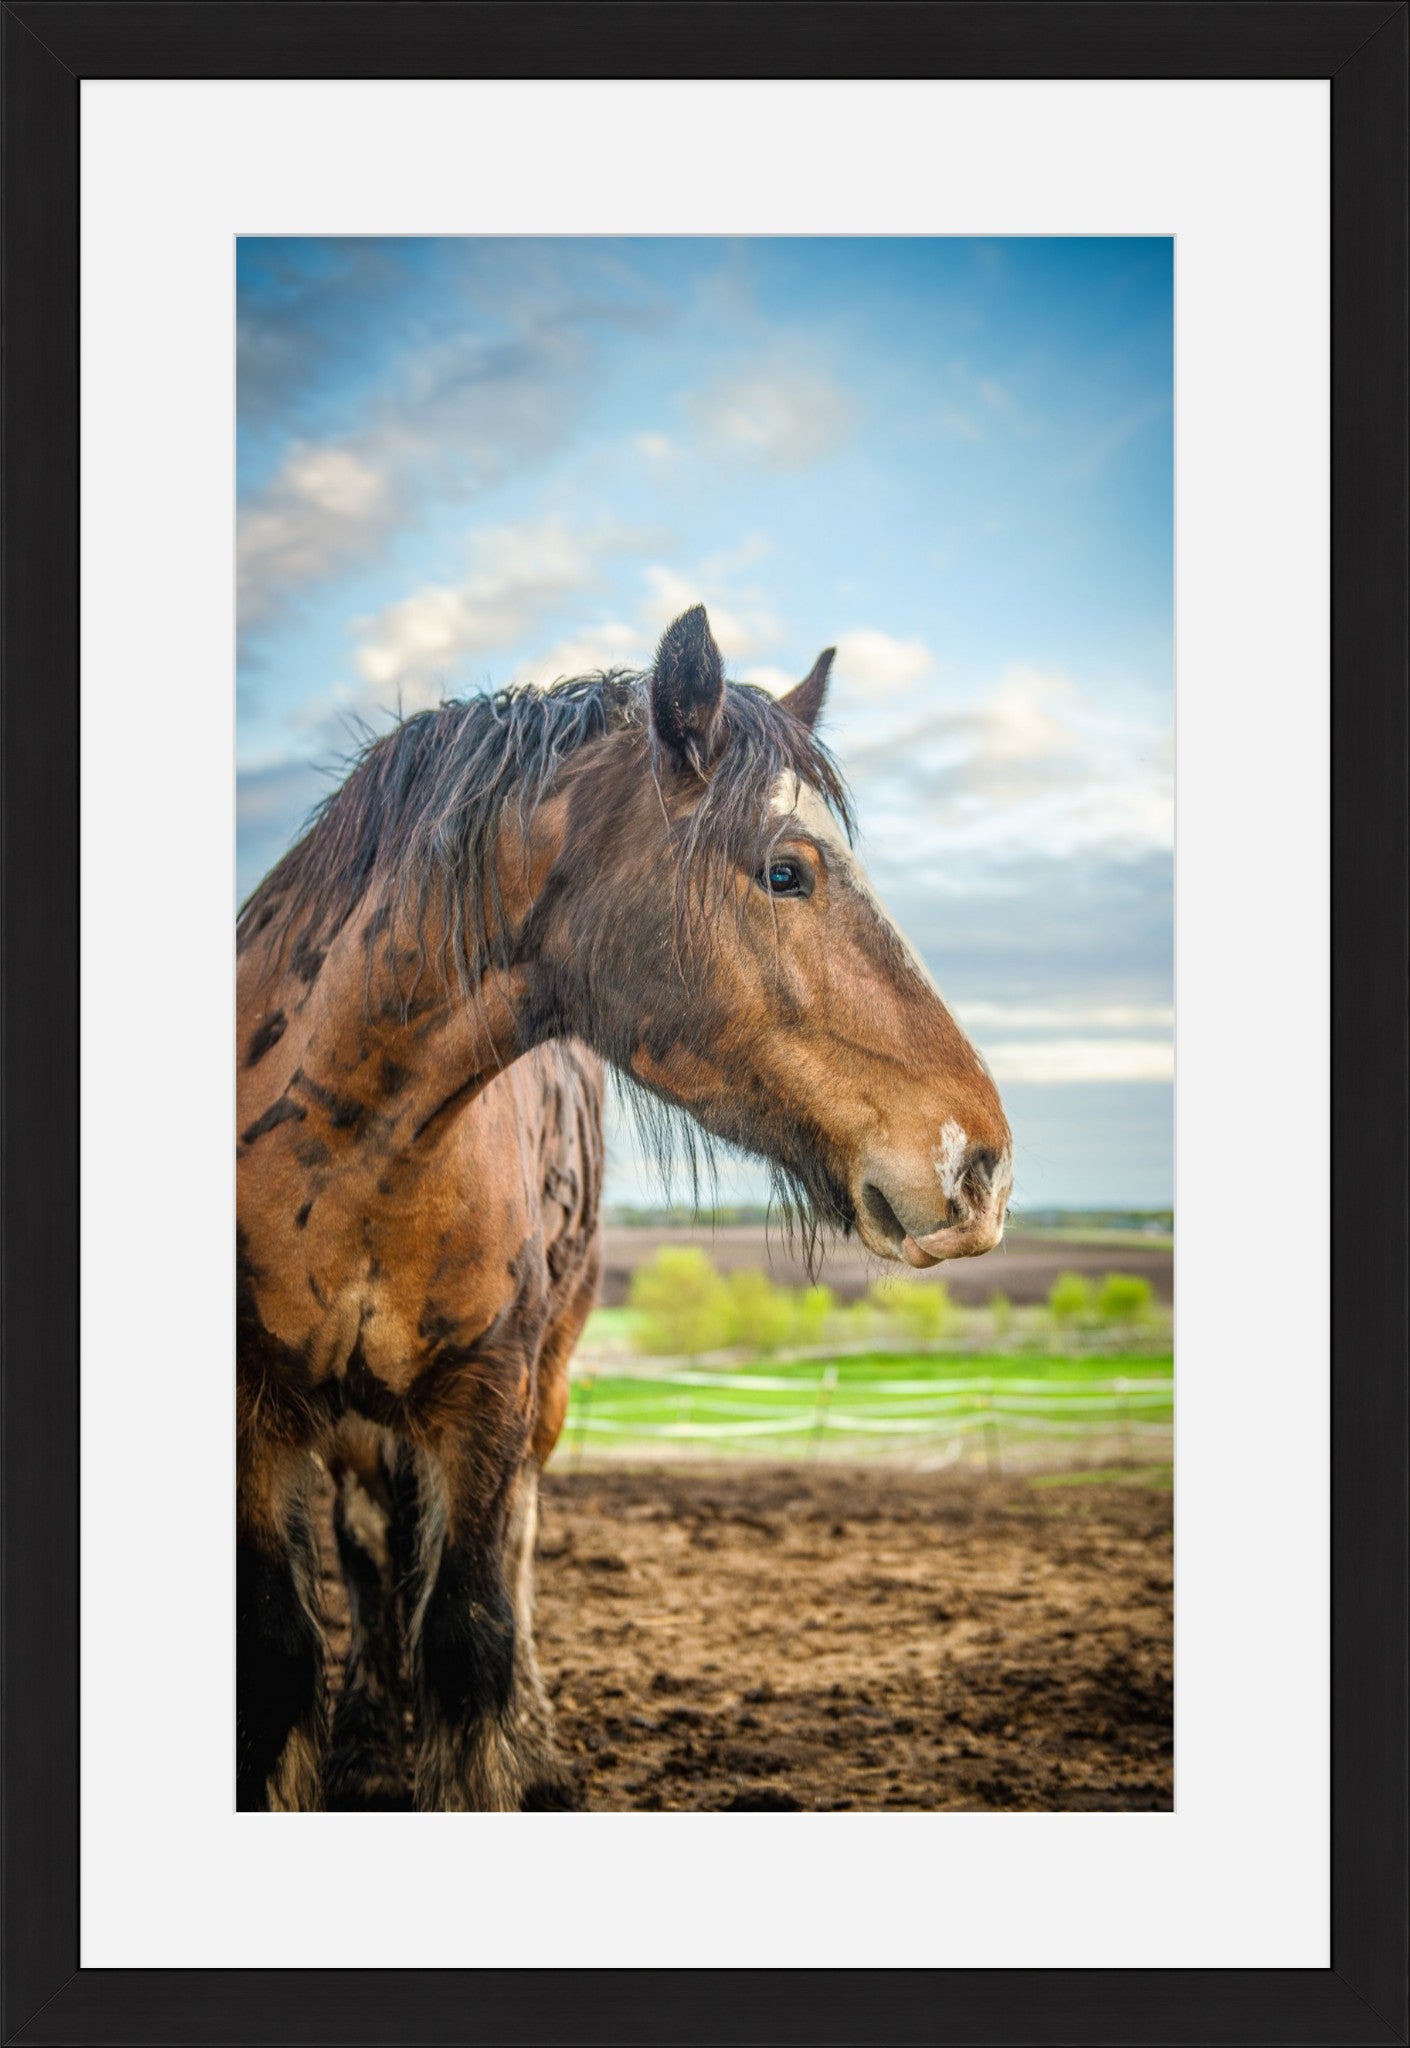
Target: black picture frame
{"x": 49, "y": 46}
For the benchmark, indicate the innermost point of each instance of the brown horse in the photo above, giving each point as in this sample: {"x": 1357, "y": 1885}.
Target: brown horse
{"x": 652, "y": 870}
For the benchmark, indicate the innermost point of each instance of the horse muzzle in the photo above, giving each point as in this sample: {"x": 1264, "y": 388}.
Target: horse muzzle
{"x": 956, "y": 1240}
{"x": 972, "y": 1223}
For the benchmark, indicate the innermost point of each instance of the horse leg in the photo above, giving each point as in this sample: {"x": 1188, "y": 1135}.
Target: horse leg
{"x": 484, "y": 1726}
{"x": 463, "y": 1659}
{"x": 554, "y": 1784}
{"x": 373, "y": 1519}
{"x": 281, "y": 1719}
{"x": 482, "y": 1735}
{"x": 549, "y": 1781}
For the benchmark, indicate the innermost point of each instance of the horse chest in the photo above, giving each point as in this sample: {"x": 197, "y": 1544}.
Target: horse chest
{"x": 384, "y": 1293}
{"x": 392, "y": 1328}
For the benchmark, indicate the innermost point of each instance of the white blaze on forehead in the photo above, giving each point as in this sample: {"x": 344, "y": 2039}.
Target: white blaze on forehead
{"x": 949, "y": 1159}
{"x": 794, "y": 799}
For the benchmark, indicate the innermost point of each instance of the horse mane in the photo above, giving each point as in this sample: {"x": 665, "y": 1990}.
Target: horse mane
{"x": 417, "y": 816}
{"x": 415, "y": 824}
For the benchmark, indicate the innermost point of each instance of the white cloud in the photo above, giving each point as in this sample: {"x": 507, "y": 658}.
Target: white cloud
{"x": 456, "y": 411}
{"x": 1073, "y": 1041}
{"x": 1058, "y": 1060}
{"x": 516, "y": 573}
{"x": 324, "y": 508}
{"x": 871, "y": 663}
{"x": 520, "y": 574}
{"x": 430, "y": 629}
{"x": 655, "y": 447}
{"x": 741, "y": 621}
{"x": 784, "y": 416}
{"x": 1023, "y": 720}
{"x": 1030, "y": 765}
{"x": 613, "y": 644}
{"x": 1075, "y": 1018}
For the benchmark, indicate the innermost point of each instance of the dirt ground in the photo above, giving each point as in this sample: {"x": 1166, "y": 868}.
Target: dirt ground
{"x": 840, "y": 1637}
{"x": 1023, "y": 1268}
{"x": 834, "y": 1637}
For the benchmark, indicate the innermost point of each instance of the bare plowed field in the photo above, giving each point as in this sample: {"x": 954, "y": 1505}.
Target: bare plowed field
{"x": 1023, "y": 1268}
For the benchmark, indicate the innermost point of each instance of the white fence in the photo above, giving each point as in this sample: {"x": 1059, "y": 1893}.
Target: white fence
{"x": 1021, "y": 1419}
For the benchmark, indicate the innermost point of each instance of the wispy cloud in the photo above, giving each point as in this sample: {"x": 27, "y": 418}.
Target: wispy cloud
{"x": 1112, "y": 438}
{"x": 1069, "y": 1018}
{"x": 326, "y": 508}
{"x": 872, "y": 664}
{"x": 521, "y": 575}
{"x": 302, "y": 315}
{"x": 784, "y": 416}
{"x": 449, "y": 418}
{"x": 612, "y": 643}
{"x": 1033, "y": 761}
{"x": 1061, "y": 1061}
{"x": 516, "y": 574}
{"x": 1078, "y": 1041}
{"x": 980, "y": 404}
{"x": 741, "y": 615}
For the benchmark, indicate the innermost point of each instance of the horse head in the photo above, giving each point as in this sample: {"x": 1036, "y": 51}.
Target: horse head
{"x": 705, "y": 923}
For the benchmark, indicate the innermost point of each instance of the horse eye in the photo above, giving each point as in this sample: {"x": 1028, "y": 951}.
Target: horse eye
{"x": 781, "y": 878}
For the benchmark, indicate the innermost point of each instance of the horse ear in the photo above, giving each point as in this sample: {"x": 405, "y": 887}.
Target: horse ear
{"x": 805, "y": 699}
{"x": 688, "y": 690}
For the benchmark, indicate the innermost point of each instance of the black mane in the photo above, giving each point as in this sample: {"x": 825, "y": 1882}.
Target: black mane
{"x": 416, "y": 818}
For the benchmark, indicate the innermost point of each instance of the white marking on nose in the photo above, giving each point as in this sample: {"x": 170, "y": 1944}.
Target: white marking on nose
{"x": 949, "y": 1160}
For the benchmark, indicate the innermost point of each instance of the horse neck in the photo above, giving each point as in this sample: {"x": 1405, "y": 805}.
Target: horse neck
{"x": 376, "y": 1040}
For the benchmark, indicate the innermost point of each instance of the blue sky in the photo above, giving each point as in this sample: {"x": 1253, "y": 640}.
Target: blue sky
{"x": 465, "y": 461}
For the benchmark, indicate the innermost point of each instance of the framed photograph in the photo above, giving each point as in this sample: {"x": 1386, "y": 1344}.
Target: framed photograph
{"x": 785, "y": 632}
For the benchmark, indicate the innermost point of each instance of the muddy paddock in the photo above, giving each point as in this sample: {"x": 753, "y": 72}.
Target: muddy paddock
{"x": 844, "y": 1637}
{"x": 831, "y": 1636}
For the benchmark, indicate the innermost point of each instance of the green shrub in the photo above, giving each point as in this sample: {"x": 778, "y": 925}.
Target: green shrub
{"x": 853, "y": 1322}
{"x": 1001, "y": 1314}
{"x": 1069, "y": 1299}
{"x": 1124, "y": 1298}
{"x": 923, "y": 1310}
{"x": 762, "y": 1316}
{"x": 684, "y": 1304}
{"x": 812, "y": 1308}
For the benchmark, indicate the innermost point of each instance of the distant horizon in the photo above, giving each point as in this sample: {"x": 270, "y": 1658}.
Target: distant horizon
{"x": 756, "y": 1211}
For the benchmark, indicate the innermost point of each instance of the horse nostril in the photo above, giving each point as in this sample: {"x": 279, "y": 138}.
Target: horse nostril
{"x": 882, "y": 1214}
{"x": 979, "y": 1168}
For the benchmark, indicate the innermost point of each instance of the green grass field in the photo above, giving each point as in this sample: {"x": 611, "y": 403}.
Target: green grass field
{"x": 877, "y": 1402}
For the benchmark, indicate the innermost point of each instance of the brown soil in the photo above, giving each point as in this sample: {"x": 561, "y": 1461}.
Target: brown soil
{"x": 1023, "y": 1268}
{"x": 844, "y": 1637}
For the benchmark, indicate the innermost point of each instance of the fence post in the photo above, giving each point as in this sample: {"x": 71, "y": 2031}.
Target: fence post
{"x": 991, "y": 1428}
{"x": 825, "y": 1387}
{"x": 1123, "y": 1388}
{"x": 585, "y": 1385}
